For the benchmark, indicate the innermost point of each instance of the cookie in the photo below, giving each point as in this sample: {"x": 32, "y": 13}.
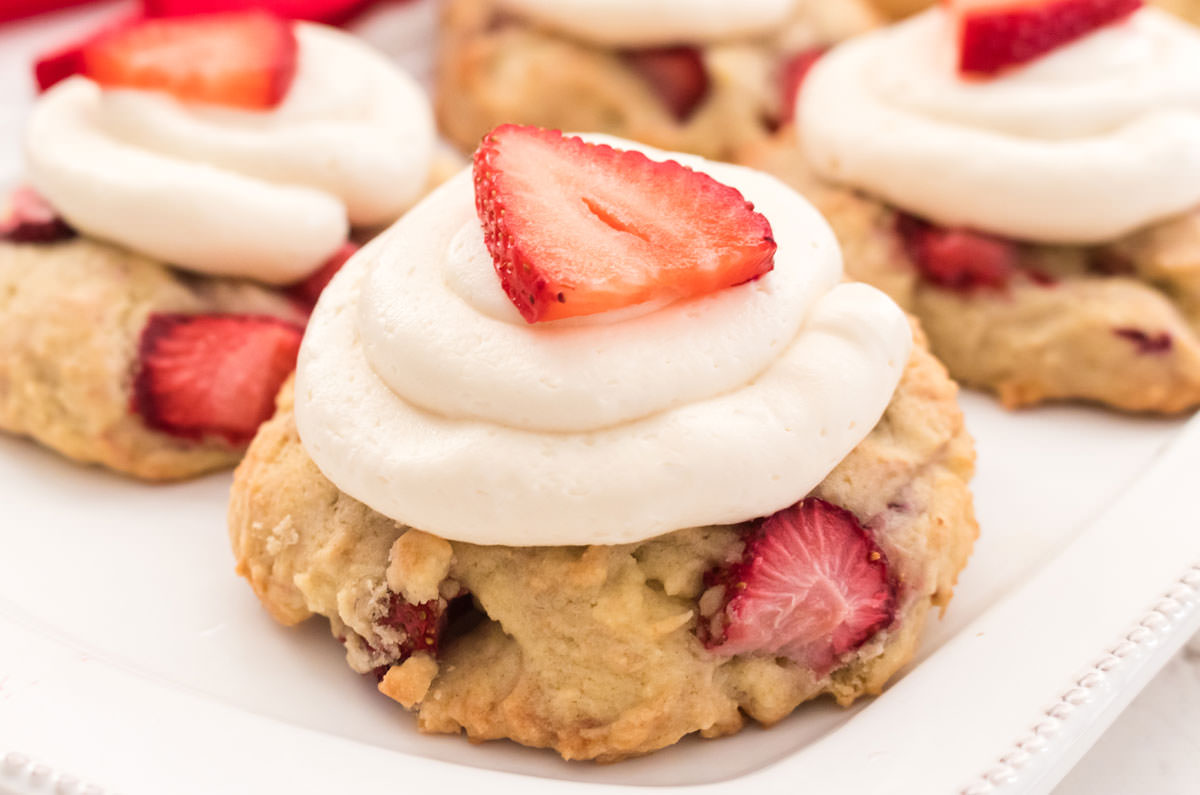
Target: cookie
{"x": 72, "y": 314}
{"x": 1116, "y": 324}
{"x": 594, "y": 651}
{"x": 497, "y": 66}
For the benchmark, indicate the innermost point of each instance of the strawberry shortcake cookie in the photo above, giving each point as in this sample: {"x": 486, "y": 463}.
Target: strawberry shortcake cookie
{"x": 1026, "y": 180}
{"x": 705, "y": 77}
{"x": 192, "y": 184}
{"x": 595, "y": 449}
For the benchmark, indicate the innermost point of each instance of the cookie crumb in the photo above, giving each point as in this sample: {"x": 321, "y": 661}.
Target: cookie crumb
{"x": 669, "y": 624}
{"x": 408, "y": 682}
{"x": 282, "y": 535}
{"x": 417, "y": 565}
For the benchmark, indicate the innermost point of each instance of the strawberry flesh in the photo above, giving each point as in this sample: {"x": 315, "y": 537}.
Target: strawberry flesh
{"x": 19, "y": 9}
{"x": 812, "y": 586}
{"x": 577, "y": 228}
{"x": 55, "y": 67}
{"x": 1146, "y": 342}
{"x": 30, "y": 219}
{"x": 421, "y": 624}
{"x": 306, "y": 293}
{"x": 998, "y": 34}
{"x": 243, "y": 60}
{"x": 212, "y": 375}
{"x": 676, "y": 74}
{"x": 330, "y": 12}
{"x": 958, "y": 258}
{"x": 791, "y": 79}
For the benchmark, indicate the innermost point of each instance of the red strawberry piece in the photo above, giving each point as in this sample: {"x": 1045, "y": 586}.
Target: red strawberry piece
{"x": 676, "y": 74}
{"x": 998, "y": 34}
{"x": 66, "y": 61}
{"x": 57, "y": 65}
{"x": 1146, "y": 342}
{"x": 577, "y": 228}
{"x": 30, "y": 219}
{"x": 243, "y": 60}
{"x": 958, "y": 258}
{"x": 812, "y": 586}
{"x": 18, "y": 9}
{"x": 308, "y": 291}
{"x": 421, "y": 624}
{"x": 791, "y": 78}
{"x": 1110, "y": 262}
{"x": 212, "y": 375}
{"x": 331, "y": 12}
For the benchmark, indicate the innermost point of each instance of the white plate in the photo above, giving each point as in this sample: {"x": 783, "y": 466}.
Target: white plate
{"x": 131, "y": 657}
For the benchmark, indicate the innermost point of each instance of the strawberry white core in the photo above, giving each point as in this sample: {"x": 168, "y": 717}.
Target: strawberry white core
{"x": 263, "y": 195}
{"x": 1083, "y": 145}
{"x": 423, "y": 393}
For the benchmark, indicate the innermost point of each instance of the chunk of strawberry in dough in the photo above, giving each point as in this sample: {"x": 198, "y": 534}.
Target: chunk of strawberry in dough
{"x": 212, "y": 375}
{"x": 28, "y": 218}
{"x": 676, "y": 74}
{"x": 812, "y": 586}
{"x": 958, "y": 258}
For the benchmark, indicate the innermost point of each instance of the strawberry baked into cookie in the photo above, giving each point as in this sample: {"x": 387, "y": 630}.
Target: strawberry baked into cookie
{"x": 1025, "y": 178}
{"x": 192, "y": 184}
{"x": 705, "y": 77}
{"x": 595, "y": 449}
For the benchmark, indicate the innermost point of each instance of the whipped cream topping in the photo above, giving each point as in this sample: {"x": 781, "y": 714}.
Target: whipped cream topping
{"x": 264, "y": 195}
{"x": 423, "y": 393}
{"x": 648, "y": 23}
{"x": 1084, "y": 145}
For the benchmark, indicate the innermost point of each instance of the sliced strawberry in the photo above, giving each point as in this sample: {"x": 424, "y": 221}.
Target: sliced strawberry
{"x": 243, "y": 60}
{"x": 331, "y": 12}
{"x": 30, "y": 219}
{"x": 791, "y": 78}
{"x": 958, "y": 258}
{"x": 676, "y": 74}
{"x": 57, "y": 65}
{"x": 997, "y": 34}
{"x": 212, "y": 375}
{"x": 577, "y": 228}
{"x": 18, "y": 9}
{"x": 812, "y": 586}
{"x": 308, "y": 291}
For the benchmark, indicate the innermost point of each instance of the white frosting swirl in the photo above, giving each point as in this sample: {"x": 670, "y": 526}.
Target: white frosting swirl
{"x": 649, "y": 23}
{"x": 1084, "y": 145}
{"x": 423, "y": 393}
{"x": 264, "y": 195}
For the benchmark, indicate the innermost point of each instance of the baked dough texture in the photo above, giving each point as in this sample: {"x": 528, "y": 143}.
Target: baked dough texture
{"x": 495, "y": 68}
{"x": 592, "y": 650}
{"x": 1117, "y": 324}
{"x": 895, "y": 9}
{"x": 71, "y": 315}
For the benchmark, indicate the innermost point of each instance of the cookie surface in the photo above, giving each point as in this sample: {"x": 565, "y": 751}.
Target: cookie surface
{"x": 592, "y": 651}
{"x": 495, "y": 68}
{"x": 1117, "y": 324}
{"x": 71, "y": 314}
{"x": 1188, "y": 9}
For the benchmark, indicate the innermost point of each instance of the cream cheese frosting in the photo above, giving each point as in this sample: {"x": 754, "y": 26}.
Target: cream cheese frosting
{"x": 648, "y": 23}
{"x": 226, "y": 192}
{"x": 423, "y": 393}
{"x": 1090, "y": 142}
